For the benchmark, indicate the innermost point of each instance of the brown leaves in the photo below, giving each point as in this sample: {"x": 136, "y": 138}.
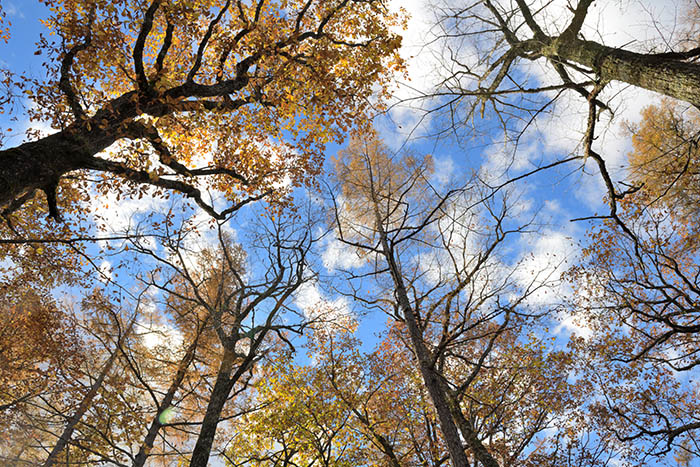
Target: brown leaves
{"x": 36, "y": 342}
{"x": 288, "y": 74}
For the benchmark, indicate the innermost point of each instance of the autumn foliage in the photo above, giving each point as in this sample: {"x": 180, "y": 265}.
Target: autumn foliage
{"x": 256, "y": 311}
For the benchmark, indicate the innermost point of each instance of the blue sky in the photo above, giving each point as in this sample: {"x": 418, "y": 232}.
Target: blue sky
{"x": 18, "y": 56}
{"x": 554, "y": 197}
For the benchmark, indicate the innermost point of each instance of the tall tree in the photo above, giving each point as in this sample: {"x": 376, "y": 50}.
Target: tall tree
{"x": 638, "y": 291}
{"x": 86, "y": 401}
{"x": 173, "y": 81}
{"x": 342, "y": 408}
{"x": 435, "y": 260}
{"x": 489, "y": 46}
{"x": 301, "y": 422}
{"x": 40, "y": 350}
{"x": 243, "y": 300}
{"x": 64, "y": 420}
{"x": 665, "y": 161}
{"x": 165, "y": 405}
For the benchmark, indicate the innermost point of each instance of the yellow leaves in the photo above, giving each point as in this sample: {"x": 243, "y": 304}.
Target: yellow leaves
{"x": 664, "y": 159}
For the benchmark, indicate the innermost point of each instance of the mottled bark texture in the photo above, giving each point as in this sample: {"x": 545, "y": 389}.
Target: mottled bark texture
{"x": 674, "y": 78}
{"x": 675, "y": 74}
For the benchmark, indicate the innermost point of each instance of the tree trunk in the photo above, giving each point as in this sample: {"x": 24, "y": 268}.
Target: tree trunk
{"x": 219, "y": 395}
{"x": 86, "y": 402}
{"x": 473, "y": 441}
{"x": 439, "y": 394}
{"x": 447, "y": 425}
{"x": 383, "y": 443}
{"x": 40, "y": 164}
{"x": 658, "y": 73}
{"x": 147, "y": 444}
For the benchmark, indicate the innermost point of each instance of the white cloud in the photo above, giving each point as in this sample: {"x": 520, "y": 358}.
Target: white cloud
{"x": 415, "y": 49}
{"x": 541, "y": 266}
{"x": 500, "y": 163}
{"x": 444, "y": 171}
{"x": 116, "y": 213}
{"x": 337, "y": 255}
{"x": 160, "y": 337}
{"x": 329, "y": 313}
{"x": 569, "y": 324}
{"x": 424, "y": 70}
{"x": 12, "y": 10}
{"x": 202, "y": 234}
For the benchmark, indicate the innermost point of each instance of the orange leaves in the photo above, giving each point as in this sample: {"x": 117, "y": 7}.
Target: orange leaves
{"x": 666, "y": 159}
{"x": 297, "y": 73}
{"x": 36, "y": 340}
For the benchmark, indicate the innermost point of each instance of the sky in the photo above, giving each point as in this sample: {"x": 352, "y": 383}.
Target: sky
{"x": 555, "y": 197}
{"x": 565, "y": 193}
{"x": 559, "y": 196}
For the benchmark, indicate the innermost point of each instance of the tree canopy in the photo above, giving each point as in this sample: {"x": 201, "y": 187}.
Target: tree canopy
{"x": 195, "y": 269}
{"x": 239, "y": 95}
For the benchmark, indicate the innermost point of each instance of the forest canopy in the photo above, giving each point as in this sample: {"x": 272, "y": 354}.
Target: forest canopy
{"x": 349, "y": 233}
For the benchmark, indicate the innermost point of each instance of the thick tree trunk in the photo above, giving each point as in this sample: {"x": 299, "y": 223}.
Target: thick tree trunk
{"x": 219, "y": 395}
{"x": 671, "y": 77}
{"x": 469, "y": 435}
{"x": 40, "y": 164}
{"x": 153, "y": 430}
{"x": 432, "y": 383}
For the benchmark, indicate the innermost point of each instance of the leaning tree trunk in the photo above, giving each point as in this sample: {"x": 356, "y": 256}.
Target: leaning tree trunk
{"x": 85, "y": 404}
{"x": 156, "y": 424}
{"x": 660, "y": 73}
{"x": 383, "y": 443}
{"x": 438, "y": 393}
{"x": 219, "y": 395}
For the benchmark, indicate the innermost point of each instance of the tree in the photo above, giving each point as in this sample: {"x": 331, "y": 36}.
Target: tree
{"x": 435, "y": 261}
{"x": 165, "y": 405}
{"x": 665, "y": 159}
{"x": 638, "y": 292}
{"x": 130, "y": 398}
{"x": 39, "y": 351}
{"x": 509, "y": 32}
{"x": 301, "y": 421}
{"x": 86, "y": 401}
{"x": 235, "y": 94}
{"x": 485, "y": 42}
{"x": 343, "y": 408}
{"x": 242, "y": 296}
{"x": 64, "y": 415}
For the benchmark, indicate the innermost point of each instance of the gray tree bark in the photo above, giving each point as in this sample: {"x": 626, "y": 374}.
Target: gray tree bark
{"x": 155, "y": 426}
{"x": 670, "y": 77}
{"x": 65, "y": 437}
